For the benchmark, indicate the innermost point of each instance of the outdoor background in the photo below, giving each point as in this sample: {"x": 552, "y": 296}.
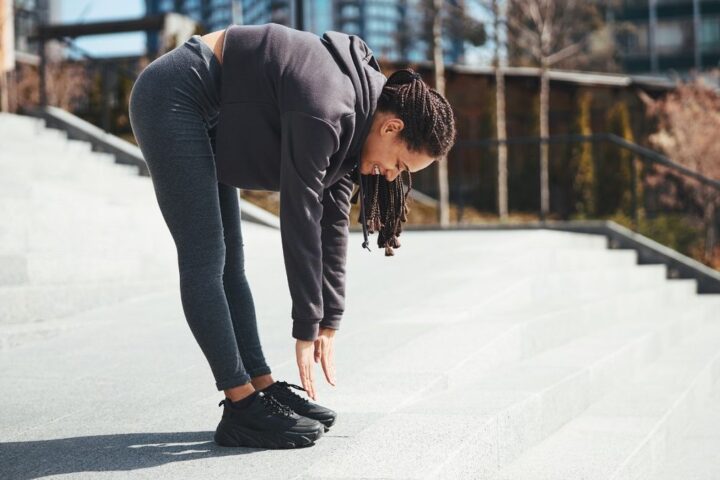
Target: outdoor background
{"x": 565, "y": 126}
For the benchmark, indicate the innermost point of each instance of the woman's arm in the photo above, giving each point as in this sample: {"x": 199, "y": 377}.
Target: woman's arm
{"x": 307, "y": 143}
{"x": 335, "y": 229}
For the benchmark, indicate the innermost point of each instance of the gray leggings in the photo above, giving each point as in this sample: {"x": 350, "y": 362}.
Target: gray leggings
{"x": 173, "y": 113}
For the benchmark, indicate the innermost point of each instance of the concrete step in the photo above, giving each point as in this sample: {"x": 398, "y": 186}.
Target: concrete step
{"x": 125, "y": 265}
{"x": 107, "y": 180}
{"x": 487, "y": 342}
{"x": 13, "y": 269}
{"x": 538, "y": 290}
{"x": 20, "y": 120}
{"x": 152, "y": 238}
{"x": 86, "y": 253}
{"x": 18, "y": 126}
{"x": 694, "y": 452}
{"x": 16, "y": 335}
{"x": 632, "y": 430}
{"x": 532, "y": 257}
{"x": 77, "y": 221}
{"x": 43, "y": 140}
{"x": 36, "y": 303}
{"x": 492, "y": 339}
{"x": 466, "y": 242}
{"x": 537, "y": 294}
{"x": 494, "y": 416}
{"x": 60, "y": 164}
{"x": 53, "y": 267}
{"x": 27, "y": 166}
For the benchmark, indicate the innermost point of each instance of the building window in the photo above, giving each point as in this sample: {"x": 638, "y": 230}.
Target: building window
{"x": 710, "y": 34}
{"x": 351, "y": 11}
{"x": 674, "y": 36}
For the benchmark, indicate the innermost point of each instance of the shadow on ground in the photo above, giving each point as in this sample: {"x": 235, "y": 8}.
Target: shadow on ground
{"x": 103, "y": 453}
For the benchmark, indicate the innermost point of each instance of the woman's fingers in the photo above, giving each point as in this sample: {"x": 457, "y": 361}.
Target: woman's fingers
{"x": 318, "y": 349}
{"x": 308, "y": 353}
{"x": 308, "y": 373}
{"x": 304, "y": 354}
{"x": 305, "y": 379}
{"x": 328, "y": 362}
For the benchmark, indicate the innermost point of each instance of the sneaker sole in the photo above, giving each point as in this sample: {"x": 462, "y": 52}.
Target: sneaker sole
{"x": 239, "y": 436}
{"x": 327, "y": 425}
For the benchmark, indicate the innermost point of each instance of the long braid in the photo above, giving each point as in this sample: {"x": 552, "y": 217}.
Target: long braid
{"x": 429, "y": 127}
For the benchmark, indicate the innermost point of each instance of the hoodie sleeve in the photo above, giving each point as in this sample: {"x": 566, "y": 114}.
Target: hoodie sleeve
{"x": 335, "y": 229}
{"x": 307, "y": 143}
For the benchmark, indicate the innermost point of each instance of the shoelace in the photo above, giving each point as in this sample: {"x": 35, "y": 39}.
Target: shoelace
{"x": 270, "y": 403}
{"x": 276, "y": 407}
{"x": 290, "y": 393}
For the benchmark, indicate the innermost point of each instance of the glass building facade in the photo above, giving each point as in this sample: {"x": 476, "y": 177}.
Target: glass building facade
{"x": 678, "y": 35}
{"x": 390, "y": 27}
{"x": 211, "y": 14}
{"x": 28, "y": 14}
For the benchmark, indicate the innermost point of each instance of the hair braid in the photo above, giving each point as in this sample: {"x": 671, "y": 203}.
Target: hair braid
{"x": 386, "y": 203}
{"x": 429, "y": 128}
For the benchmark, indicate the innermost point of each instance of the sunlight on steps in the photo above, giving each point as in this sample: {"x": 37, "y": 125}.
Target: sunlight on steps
{"x": 507, "y": 354}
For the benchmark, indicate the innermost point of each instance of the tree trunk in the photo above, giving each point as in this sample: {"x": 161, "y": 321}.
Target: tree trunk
{"x": 544, "y": 146}
{"x": 500, "y": 119}
{"x": 4, "y": 95}
{"x": 4, "y": 92}
{"x": 710, "y": 229}
{"x": 439, "y": 62}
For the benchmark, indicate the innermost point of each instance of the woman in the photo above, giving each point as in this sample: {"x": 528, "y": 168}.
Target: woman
{"x": 272, "y": 108}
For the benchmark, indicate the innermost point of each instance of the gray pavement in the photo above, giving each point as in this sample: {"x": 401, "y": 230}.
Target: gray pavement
{"x": 470, "y": 354}
{"x": 438, "y": 344}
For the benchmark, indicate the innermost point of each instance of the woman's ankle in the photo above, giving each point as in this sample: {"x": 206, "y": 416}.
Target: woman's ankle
{"x": 239, "y": 392}
{"x": 262, "y": 381}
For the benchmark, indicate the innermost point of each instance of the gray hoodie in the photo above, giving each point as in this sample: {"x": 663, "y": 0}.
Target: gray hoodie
{"x": 295, "y": 111}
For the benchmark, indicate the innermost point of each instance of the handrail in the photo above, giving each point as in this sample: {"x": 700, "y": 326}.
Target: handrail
{"x": 644, "y": 152}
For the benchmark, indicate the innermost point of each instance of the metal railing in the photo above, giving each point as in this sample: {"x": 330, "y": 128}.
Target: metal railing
{"x": 592, "y": 177}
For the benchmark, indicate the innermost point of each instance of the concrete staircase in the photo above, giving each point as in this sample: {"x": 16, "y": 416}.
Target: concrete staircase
{"x": 506, "y": 354}
{"x": 78, "y": 231}
{"x": 549, "y": 357}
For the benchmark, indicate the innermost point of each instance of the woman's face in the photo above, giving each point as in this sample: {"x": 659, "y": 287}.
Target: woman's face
{"x": 385, "y": 153}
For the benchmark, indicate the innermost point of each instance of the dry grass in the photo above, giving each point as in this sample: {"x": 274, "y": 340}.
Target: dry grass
{"x": 420, "y": 214}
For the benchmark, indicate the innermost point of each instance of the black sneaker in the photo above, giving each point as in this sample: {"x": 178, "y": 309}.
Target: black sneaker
{"x": 302, "y": 406}
{"x": 265, "y": 423}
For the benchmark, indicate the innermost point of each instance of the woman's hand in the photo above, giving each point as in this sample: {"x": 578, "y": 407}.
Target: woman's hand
{"x": 321, "y": 350}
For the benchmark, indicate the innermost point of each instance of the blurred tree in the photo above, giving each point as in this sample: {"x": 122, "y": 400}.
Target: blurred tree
{"x": 445, "y": 19}
{"x": 688, "y": 125}
{"x": 67, "y": 85}
{"x": 494, "y": 10}
{"x": 545, "y": 33}
{"x": 615, "y": 168}
{"x": 584, "y": 185}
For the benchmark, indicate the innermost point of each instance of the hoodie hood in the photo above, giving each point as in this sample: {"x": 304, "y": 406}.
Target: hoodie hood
{"x": 356, "y": 59}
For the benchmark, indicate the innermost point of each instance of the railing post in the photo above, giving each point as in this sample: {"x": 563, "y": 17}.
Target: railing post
{"x": 633, "y": 182}
{"x": 541, "y": 211}
{"x": 42, "y": 73}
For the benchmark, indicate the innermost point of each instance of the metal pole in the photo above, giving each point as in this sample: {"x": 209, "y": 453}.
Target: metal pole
{"x": 633, "y": 173}
{"x": 299, "y": 15}
{"x": 41, "y": 17}
{"x": 106, "y": 113}
{"x": 42, "y": 72}
{"x": 652, "y": 30}
{"x": 697, "y": 26}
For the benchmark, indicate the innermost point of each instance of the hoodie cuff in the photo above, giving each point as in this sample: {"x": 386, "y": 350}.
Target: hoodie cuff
{"x": 331, "y": 321}
{"x": 306, "y": 330}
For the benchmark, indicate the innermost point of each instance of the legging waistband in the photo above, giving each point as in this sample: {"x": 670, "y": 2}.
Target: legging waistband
{"x": 200, "y": 48}
{"x": 200, "y": 77}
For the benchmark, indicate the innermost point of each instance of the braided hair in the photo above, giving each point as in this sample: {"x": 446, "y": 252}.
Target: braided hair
{"x": 429, "y": 128}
